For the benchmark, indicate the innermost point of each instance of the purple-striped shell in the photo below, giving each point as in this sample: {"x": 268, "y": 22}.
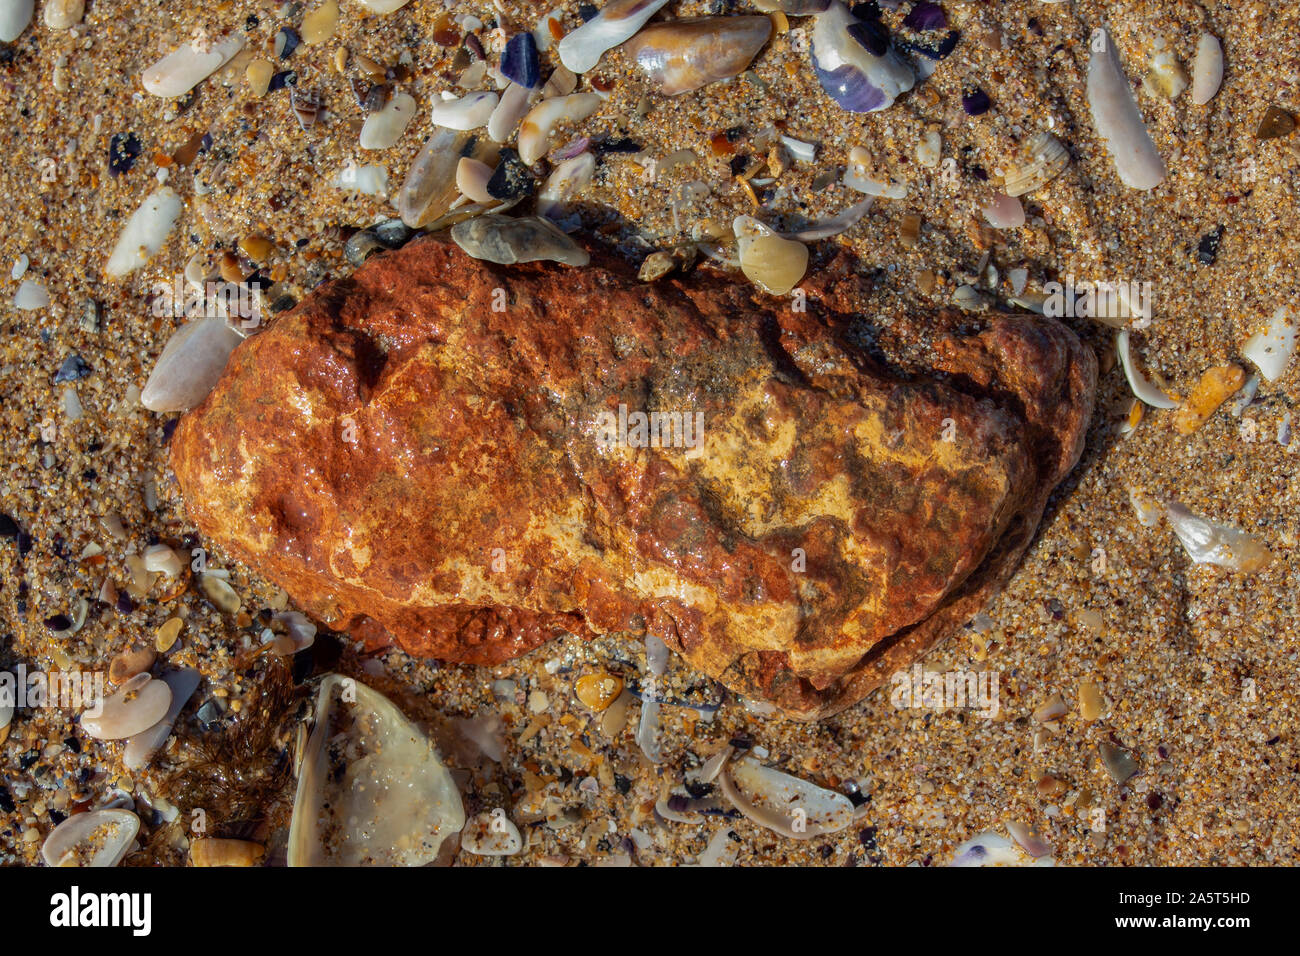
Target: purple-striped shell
{"x": 855, "y": 63}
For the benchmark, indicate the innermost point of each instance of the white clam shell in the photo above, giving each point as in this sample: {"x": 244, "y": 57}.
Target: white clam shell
{"x": 98, "y": 838}
{"x": 140, "y": 747}
{"x": 1270, "y": 351}
{"x": 1207, "y": 70}
{"x": 1117, "y": 119}
{"x": 184, "y": 68}
{"x": 466, "y": 112}
{"x": 616, "y": 22}
{"x": 383, "y": 6}
{"x": 63, "y": 14}
{"x": 145, "y": 232}
{"x": 137, "y": 705}
{"x": 535, "y": 131}
{"x": 372, "y": 790}
{"x": 14, "y": 17}
{"x": 189, "y": 365}
{"x": 792, "y": 807}
{"x": 491, "y": 834}
{"x": 993, "y": 849}
{"x": 1045, "y": 159}
{"x": 385, "y": 127}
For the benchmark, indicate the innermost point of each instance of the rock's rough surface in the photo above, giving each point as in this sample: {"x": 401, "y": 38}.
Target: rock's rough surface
{"x": 406, "y": 460}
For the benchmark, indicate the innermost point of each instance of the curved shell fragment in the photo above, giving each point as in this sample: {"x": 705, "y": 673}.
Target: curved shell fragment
{"x": 536, "y": 130}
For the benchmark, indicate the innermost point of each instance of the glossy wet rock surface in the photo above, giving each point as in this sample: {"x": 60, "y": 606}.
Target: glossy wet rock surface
{"x": 405, "y": 460}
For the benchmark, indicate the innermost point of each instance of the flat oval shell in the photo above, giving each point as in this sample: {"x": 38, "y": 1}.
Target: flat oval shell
{"x": 128, "y": 711}
{"x": 189, "y": 365}
{"x": 99, "y": 838}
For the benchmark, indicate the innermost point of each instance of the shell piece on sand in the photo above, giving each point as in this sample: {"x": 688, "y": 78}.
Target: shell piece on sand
{"x": 145, "y": 232}
{"x": 504, "y": 240}
{"x": 98, "y": 838}
{"x": 385, "y": 127}
{"x": 491, "y": 834}
{"x": 1270, "y": 351}
{"x": 383, "y": 6}
{"x": 190, "y": 365}
{"x": 186, "y": 67}
{"x": 855, "y": 63}
{"x": 137, "y": 705}
{"x": 1207, "y": 70}
{"x": 372, "y": 790}
{"x": 616, "y": 22}
{"x": 430, "y": 186}
{"x": 140, "y": 747}
{"x": 788, "y": 805}
{"x": 686, "y": 54}
{"x": 15, "y": 15}
{"x": 1117, "y": 119}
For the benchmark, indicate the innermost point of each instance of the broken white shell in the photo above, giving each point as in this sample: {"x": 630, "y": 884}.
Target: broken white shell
{"x": 385, "y": 127}
{"x": 99, "y": 838}
{"x": 1004, "y": 212}
{"x": 137, "y": 705}
{"x": 1270, "y": 351}
{"x": 372, "y": 180}
{"x": 189, "y": 366}
{"x": 1207, "y": 70}
{"x": 1166, "y": 78}
{"x": 383, "y": 6}
{"x": 183, "y": 69}
{"x": 787, "y": 805}
{"x": 1141, "y": 387}
{"x": 491, "y": 834}
{"x": 466, "y": 112}
{"x": 1207, "y": 542}
{"x": 373, "y": 790}
{"x": 857, "y": 177}
{"x": 535, "y": 131}
{"x": 145, "y": 232}
{"x": 1117, "y": 119}
{"x": 617, "y": 21}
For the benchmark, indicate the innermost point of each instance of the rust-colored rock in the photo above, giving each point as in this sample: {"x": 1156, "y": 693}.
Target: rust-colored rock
{"x": 403, "y": 458}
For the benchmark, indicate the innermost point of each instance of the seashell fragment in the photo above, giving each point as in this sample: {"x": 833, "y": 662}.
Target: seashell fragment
{"x": 466, "y": 112}
{"x": 145, "y": 232}
{"x": 504, "y": 240}
{"x": 372, "y": 789}
{"x": 189, "y": 366}
{"x": 491, "y": 834}
{"x": 993, "y": 849}
{"x": 370, "y": 180}
{"x": 99, "y": 838}
{"x": 1207, "y": 69}
{"x": 929, "y": 149}
{"x": 509, "y": 111}
{"x": 15, "y": 15}
{"x": 1215, "y": 387}
{"x": 63, "y": 14}
{"x": 1117, "y": 119}
{"x": 1119, "y": 763}
{"x": 833, "y": 225}
{"x": 774, "y": 264}
{"x": 598, "y": 691}
{"x": 385, "y": 127}
{"x": 1270, "y": 351}
{"x": 855, "y": 63}
{"x": 383, "y": 6}
{"x": 430, "y": 186}
{"x": 683, "y": 55}
{"x": 784, "y": 804}
{"x": 569, "y": 178}
{"x": 1207, "y": 542}
{"x": 31, "y": 295}
{"x": 537, "y": 127}
{"x": 616, "y": 22}
{"x": 1166, "y": 78}
{"x": 141, "y": 747}
{"x": 137, "y": 705}
{"x": 1044, "y": 158}
{"x": 1141, "y": 387}
{"x": 210, "y": 851}
{"x": 472, "y": 179}
{"x": 1004, "y": 212}
{"x": 857, "y": 176}
{"x": 185, "y": 68}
